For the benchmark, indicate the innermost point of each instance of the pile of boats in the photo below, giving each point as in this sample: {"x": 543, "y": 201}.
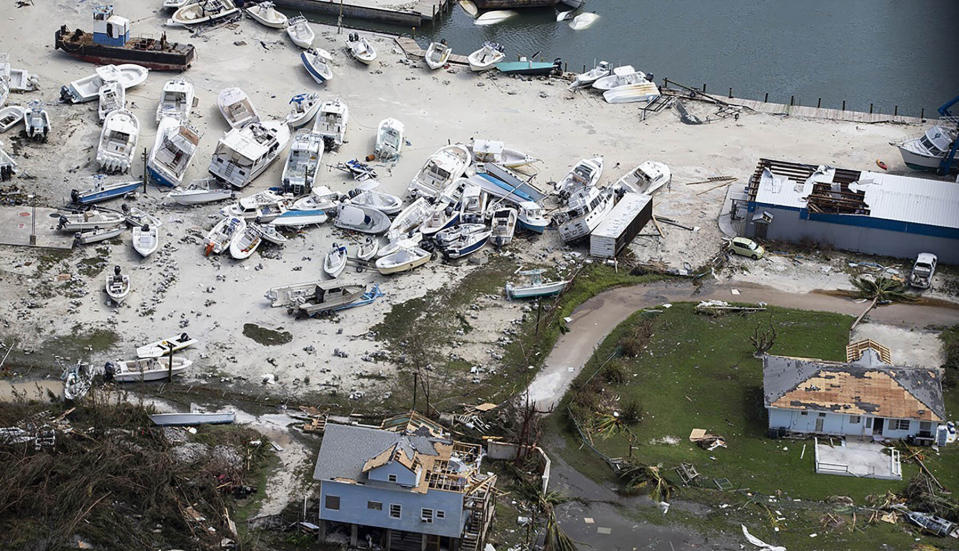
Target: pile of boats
{"x": 622, "y": 84}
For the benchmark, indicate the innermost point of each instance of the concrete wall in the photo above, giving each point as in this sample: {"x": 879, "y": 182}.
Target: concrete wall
{"x": 354, "y": 510}
{"x": 838, "y": 424}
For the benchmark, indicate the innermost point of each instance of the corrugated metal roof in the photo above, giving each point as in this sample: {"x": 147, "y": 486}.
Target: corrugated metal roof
{"x": 622, "y": 214}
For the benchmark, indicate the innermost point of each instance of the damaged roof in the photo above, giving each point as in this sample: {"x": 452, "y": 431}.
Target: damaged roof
{"x": 864, "y": 387}
{"x": 347, "y": 448}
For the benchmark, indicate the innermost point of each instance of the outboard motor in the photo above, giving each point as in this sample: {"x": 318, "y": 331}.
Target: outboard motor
{"x": 62, "y": 222}
{"x": 74, "y": 196}
{"x": 109, "y": 370}
{"x": 184, "y": 337}
{"x": 116, "y": 271}
{"x": 145, "y": 227}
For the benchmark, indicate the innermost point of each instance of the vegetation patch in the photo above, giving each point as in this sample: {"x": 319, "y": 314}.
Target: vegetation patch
{"x": 267, "y": 337}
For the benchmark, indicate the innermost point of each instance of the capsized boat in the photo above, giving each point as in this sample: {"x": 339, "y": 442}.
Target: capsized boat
{"x": 245, "y": 243}
{"x": 360, "y": 49}
{"x": 236, "y": 107}
{"x": 620, "y": 76}
{"x": 532, "y": 217}
{"x": 219, "y": 238}
{"x": 411, "y": 218}
{"x": 493, "y": 151}
{"x": 601, "y": 70}
{"x": 302, "y": 168}
{"x": 117, "y": 285}
{"x": 583, "y": 21}
{"x": 118, "y": 141}
{"x": 146, "y": 239}
{"x": 494, "y": 17}
{"x": 96, "y": 235}
{"x": 329, "y": 297}
{"x": 304, "y": 108}
{"x": 176, "y": 100}
{"x": 585, "y": 173}
{"x": 300, "y": 32}
{"x": 437, "y": 54}
{"x": 486, "y": 57}
{"x": 529, "y": 67}
{"x": 103, "y": 191}
{"x": 385, "y": 202}
{"x": 244, "y": 153}
{"x": 205, "y": 11}
{"x": 463, "y": 239}
{"x": 331, "y": 122}
{"x": 630, "y": 93}
{"x": 162, "y": 347}
{"x": 204, "y": 190}
{"x": 361, "y": 219}
{"x": 89, "y": 219}
{"x": 317, "y": 64}
{"x": 36, "y": 121}
{"x": 928, "y": 151}
{"x": 173, "y": 151}
{"x": 145, "y": 369}
{"x": 535, "y": 286}
{"x": 402, "y": 260}
{"x": 265, "y": 13}
{"x": 503, "y": 226}
{"x": 389, "y": 139}
{"x": 646, "y": 178}
{"x": 10, "y": 116}
{"x": 88, "y": 87}
{"x": 112, "y": 97}
{"x": 335, "y": 260}
{"x": 586, "y": 208}
{"x": 441, "y": 169}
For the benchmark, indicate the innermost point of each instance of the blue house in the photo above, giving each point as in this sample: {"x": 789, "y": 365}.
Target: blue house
{"x": 404, "y": 486}
{"x": 866, "y": 397}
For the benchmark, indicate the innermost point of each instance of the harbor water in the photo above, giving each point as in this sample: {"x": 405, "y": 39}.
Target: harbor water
{"x": 884, "y": 52}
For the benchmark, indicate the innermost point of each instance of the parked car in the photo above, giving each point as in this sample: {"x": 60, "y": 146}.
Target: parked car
{"x": 922, "y": 270}
{"x": 746, "y": 247}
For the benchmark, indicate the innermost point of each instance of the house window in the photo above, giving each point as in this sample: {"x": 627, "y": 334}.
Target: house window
{"x": 333, "y": 502}
{"x": 426, "y": 515}
{"x": 925, "y": 428}
{"x": 803, "y": 413}
{"x": 440, "y": 514}
{"x": 868, "y": 422}
{"x": 374, "y": 505}
{"x": 391, "y": 478}
{"x": 396, "y": 510}
{"x": 821, "y": 414}
{"x": 854, "y": 419}
{"x": 899, "y": 424}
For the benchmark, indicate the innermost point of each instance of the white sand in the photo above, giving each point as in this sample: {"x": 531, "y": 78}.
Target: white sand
{"x": 217, "y": 296}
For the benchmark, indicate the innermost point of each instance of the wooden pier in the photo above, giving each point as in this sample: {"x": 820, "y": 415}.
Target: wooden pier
{"x": 382, "y": 11}
{"x": 412, "y": 49}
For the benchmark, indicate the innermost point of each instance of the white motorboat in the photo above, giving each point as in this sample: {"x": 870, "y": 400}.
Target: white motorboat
{"x": 118, "y": 141}
{"x": 320, "y": 197}
{"x": 204, "y": 190}
{"x": 583, "y": 21}
{"x": 531, "y": 217}
{"x": 219, "y": 238}
{"x": 245, "y": 243}
{"x": 331, "y": 122}
{"x": 437, "y": 55}
{"x": 36, "y": 121}
{"x": 402, "y": 260}
{"x": 88, "y": 87}
{"x": 265, "y": 13}
{"x": 146, "y": 239}
{"x": 368, "y": 249}
{"x": 492, "y": 151}
{"x": 928, "y": 151}
{"x": 272, "y": 234}
{"x": 300, "y": 32}
{"x": 194, "y": 418}
{"x": 244, "y": 153}
{"x": 472, "y": 205}
{"x": 176, "y": 4}
{"x": 589, "y": 77}
{"x": 10, "y": 116}
{"x": 586, "y": 208}
{"x": 112, "y": 97}
{"x": 462, "y": 239}
{"x": 443, "y": 215}
{"x": 134, "y": 216}
{"x": 410, "y": 219}
{"x": 535, "y": 286}
{"x": 302, "y": 168}
{"x": 335, "y": 261}
{"x": 584, "y": 174}
{"x": 317, "y": 64}
{"x": 251, "y": 206}
{"x": 296, "y": 217}
{"x": 145, "y": 369}
{"x": 389, "y": 139}
{"x": 173, "y": 151}
{"x": 330, "y": 297}
{"x": 486, "y": 57}
{"x": 385, "y": 202}
{"x": 646, "y": 178}
{"x": 176, "y": 100}
{"x": 89, "y": 219}
{"x": 503, "y": 226}
{"x": 96, "y": 235}
{"x": 162, "y": 347}
{"x": 204, "y": 11}
{"x": 441, "y": 169}
{"x": 313, "y": 294}
{"x": 117, "y": 285}
{"x": 361, "y": 219}
{"x": 630, "y": 93}
{"x": 405, "y": 241}
{"x": 236, "y": 107}
{"x": 494, "y": 17}
{"x": 360, "y": 49}
{"x": 621, "y": 76}
{"x": 304, "y": 108}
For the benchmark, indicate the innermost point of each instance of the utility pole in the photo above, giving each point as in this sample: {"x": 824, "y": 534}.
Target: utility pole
{"x": 170, "y": 345}
{"x": 416, "y": 376}
{"x": 339, "y": 19}
{"x": 144, "y": 157}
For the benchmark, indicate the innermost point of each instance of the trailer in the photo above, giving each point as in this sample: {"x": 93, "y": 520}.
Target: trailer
{"x": 627, "y": 218}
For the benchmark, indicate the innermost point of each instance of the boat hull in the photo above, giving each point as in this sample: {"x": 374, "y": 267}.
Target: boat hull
{"x": 89, "y": 198}
{"x": 148, "y": 52}
{"x": 921, "y": 162}
{"x": 547, "y": 290}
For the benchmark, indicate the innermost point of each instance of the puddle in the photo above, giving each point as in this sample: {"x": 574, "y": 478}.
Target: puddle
{"x": 266, "y": 337}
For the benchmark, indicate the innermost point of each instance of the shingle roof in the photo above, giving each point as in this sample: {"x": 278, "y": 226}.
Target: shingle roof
{"x": 346, "y": 448}
{"x": 864, "y": 387}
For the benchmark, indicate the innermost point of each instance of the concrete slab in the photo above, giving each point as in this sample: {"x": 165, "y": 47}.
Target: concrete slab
{"x": 861, "y": 459}
{"x": 32, "y": 227}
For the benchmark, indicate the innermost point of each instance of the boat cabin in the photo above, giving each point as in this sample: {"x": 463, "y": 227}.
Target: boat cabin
{"x": 109, "y": 29}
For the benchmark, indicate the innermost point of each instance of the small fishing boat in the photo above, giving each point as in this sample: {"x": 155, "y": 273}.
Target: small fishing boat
{"x": 472, "y": 205}
{"x": 146, "y": 239}
{"x": 360, "y": 49}
{"x": 405, "y": 241}
{"x": 586, "y": 208}
{"x": 173, "y": 151}
{"x": 437, "y": 55}
{"x": 96, "y": 235}
{"x": 204, "y": 11}
{"x": 620, "y": 76}
{"x": 118, "y": 141}
{"x": 244, "y": 153}
{"x": 331, "y": 122}
{"x": 503, "y": 226}
{"x": 462, "y": 239}
{"x": 10, "y": 116}
{"x": 87, "y": 220}
{"x": 486, "y": 57}
{"x": 589, "y": 77}
{"x": 204, "y": 190}
{"x": 564, "y": 15}
{"x": 329, "y": 297}
{"x": 236, "y": 107}
{"x": 287, "y": 296}
{"x": 646, "y": 178}
{"x": 402, "y": 260}
{"x": 138, "y": 217}
{"x": 320, "y": 197}
{"x": 529, "y": 67}
{"x": 381, "y": 201}
{"x": 630, "y": 93}
{"x": 335, "y": 260}
{"x": 36, "y": 121}
{"x": 361, "y": 219}
{"x": 300, "y": 32}
{"x": 368, "y": 249}
{"x": 410, "y": 218}
{"x": 88, "y": 87}
{"x": 443, "y": 215}
{"x": 102, "y": 191}
{"x": 492, "y": 151}
{"x": 249, "y": 206}
{"x": 188, "y": 419}
{"x": 535, "y": 286}
{"x": 304, "y": 108}
{"x": 219, "y": 238}
{"x": 265, "y": 13}
{"x": 162, "y": 347}
{"x": 585, "y": 173}
{"x": 272, "y": 234}
{"x": 144, "y": 369}
{"x": 531, "y": 217}
{"x": 301, "y": 217}
{"x": 112, "y": 97}
{"x": 583, "y": 21}
{"x": 245, "y": 243}
{"x": 494, "y": 17}
{"x": 316, "y": 61}
{"x": 469, "y": 7}
{"x": 441, "y": 169}
{"x": 176, "y": 100}
{"x": 389, "y": 139}
{"x": 302, "y": 168}
{"x": 117, "y": 285}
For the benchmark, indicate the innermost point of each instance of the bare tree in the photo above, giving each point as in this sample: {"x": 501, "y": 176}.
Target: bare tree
{"x": 763, "y": 339}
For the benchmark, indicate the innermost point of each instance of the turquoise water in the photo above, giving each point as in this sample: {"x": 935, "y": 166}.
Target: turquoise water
{"x": 884, "y": 52}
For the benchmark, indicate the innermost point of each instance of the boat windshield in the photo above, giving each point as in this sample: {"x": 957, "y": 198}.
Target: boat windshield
{"x": 927, "y": 143}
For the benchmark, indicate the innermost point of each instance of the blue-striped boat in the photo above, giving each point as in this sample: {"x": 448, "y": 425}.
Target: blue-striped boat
{"x": 103, "y": 192}
{"x": 301, "y": 217}
{"x": 316, "y": 62}
{"x": 527, "y": 67}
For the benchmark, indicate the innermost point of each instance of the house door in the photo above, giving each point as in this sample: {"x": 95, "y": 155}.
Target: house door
{"x": 761, "y": 228}
{"x": 819, "y": 422}
{"x": 877, "y": 425}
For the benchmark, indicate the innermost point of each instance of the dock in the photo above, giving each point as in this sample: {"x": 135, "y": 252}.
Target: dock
{"x": 412, "y": 49}
{"x": 413, "y": 13}
{"x": 32, "y": 227}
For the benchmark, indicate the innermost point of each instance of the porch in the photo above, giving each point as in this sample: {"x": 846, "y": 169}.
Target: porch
{"x": 863, "y": 459}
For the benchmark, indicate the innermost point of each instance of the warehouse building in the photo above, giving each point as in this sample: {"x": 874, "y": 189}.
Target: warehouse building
{"x": 868, "y": 212}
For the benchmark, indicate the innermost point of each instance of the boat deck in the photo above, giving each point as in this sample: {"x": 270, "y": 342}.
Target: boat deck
{"x": 19, "y": 228}
{"x": 412, "y": 49}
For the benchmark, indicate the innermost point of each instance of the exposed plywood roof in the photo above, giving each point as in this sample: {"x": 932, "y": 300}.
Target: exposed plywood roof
{"x": 379, "y": 460}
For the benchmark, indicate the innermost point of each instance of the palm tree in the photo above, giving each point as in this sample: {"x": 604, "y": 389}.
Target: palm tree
{"x": 637, "y": 476}
{"x": 881, "y": 290}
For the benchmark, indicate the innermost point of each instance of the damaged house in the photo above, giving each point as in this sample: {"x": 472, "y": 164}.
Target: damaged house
{"x": 865, "y": 397}
{"x": 405, "y": 486}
